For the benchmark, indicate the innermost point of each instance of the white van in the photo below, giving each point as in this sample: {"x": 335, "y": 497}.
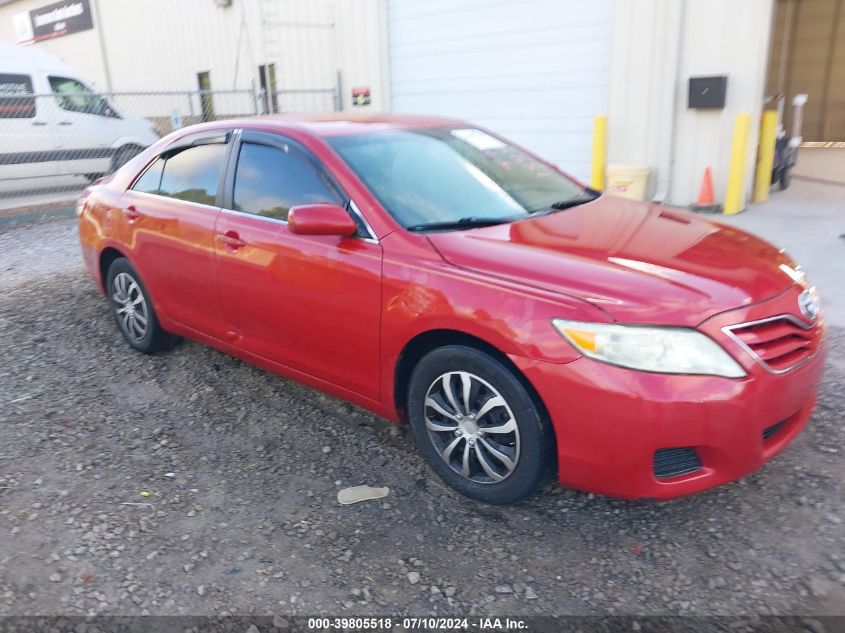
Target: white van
{"x": 53, "y": 124}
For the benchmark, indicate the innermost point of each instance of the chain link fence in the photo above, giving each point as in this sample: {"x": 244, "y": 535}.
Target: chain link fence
{"x": 54, "y": 144}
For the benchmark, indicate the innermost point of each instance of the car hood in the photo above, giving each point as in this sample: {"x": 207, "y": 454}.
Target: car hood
{"x": 639, "y": 262}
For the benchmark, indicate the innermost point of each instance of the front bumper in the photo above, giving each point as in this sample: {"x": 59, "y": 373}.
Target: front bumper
{"x": 609, "y": 421}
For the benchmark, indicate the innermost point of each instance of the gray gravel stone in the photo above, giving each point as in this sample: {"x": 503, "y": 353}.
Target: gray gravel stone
{"x": 252, "y": 485}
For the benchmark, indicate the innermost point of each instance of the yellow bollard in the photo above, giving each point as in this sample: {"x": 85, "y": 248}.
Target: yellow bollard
{"x": 599, "y": 152}
{"x": 736, "y": 172}
{"x": 766, "y": 158}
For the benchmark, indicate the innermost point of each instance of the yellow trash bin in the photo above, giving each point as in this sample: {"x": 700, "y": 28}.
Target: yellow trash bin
{"x": 627, "y": 181}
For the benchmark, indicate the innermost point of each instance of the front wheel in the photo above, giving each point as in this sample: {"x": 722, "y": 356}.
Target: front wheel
{"x": 478, "y": 427}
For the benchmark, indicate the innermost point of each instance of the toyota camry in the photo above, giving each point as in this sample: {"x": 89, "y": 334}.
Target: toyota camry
{"x": 524, "y": 325}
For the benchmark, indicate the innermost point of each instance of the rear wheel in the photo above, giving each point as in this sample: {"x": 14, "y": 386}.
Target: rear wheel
{"x": 478, "y": 427}
{"x": 133, "y": 309}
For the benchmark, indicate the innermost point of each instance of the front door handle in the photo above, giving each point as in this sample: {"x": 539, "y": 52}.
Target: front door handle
{"x": 39, "y": 123}
{"x": 65, "y": 122}
{"x": 231, "y": 240}
{"x": 131, "y": 213}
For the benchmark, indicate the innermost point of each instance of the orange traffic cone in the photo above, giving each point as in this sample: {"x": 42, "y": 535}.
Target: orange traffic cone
{"x": 705, "y": 196}
{"x": 705, "y": 202}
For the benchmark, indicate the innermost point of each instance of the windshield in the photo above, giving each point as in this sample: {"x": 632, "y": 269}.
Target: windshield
{"x": 454, "y": 177}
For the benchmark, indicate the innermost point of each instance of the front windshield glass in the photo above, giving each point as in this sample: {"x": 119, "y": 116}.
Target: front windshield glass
{"x": 442, "y": 176}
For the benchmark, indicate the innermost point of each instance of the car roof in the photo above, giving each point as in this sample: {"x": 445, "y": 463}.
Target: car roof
{"x": 338, "y": 123}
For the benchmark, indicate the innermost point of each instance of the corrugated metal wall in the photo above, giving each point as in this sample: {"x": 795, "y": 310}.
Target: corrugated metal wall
{"x": 536, "y": 71}
{"x": 159, "y": 45}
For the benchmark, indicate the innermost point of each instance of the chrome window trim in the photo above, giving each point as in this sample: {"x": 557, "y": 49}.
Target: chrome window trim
{"x": 371, "y": 235}
{"x": 158, "y": 196}
{"x": 728, "y": 331}
{"x": 246, "y": 214}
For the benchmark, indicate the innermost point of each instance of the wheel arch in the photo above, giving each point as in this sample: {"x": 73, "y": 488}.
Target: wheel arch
{"x": 107, "y": 256}
{"x": 425, "y": 342}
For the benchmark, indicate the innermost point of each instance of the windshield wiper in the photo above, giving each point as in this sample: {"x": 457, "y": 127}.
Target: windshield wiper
{"x": 575, "y": 201}
{"x": 588, "y": 195}
{"x": 468, "y": 222}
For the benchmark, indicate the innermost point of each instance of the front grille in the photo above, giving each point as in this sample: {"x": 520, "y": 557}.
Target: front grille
{"x": 779, "y": 343}
{"x": 671, "y": 462}
{"x": 769, "y": 431}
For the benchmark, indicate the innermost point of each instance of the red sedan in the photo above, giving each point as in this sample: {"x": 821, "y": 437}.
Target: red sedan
{"x": 435, "y": 273}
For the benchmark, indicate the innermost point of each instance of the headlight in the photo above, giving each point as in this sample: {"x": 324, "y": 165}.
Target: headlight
{"x": 668, "y": 350}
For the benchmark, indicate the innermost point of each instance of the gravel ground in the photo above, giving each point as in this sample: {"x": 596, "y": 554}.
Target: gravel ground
{"x": 193, "y": 483}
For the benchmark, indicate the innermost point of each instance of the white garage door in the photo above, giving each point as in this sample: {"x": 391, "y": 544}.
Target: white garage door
{"x": 536, "y": 71}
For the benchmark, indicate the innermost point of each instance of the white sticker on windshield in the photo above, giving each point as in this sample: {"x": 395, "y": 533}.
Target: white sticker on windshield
{"x": 478, "y": 139}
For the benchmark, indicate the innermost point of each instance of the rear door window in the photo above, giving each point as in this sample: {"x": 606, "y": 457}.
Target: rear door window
{"x": 193, "y": 174}
{"x": 16, "y": 97}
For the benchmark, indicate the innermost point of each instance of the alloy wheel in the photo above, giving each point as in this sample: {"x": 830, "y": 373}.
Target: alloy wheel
{"x": 130, "y": 306}
{"x": 472, "y": 427}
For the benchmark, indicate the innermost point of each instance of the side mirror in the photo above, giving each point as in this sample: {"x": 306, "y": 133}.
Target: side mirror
{"x": 321, "y": 219}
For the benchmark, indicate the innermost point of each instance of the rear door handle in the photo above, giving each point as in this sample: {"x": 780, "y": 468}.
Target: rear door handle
{"x": 131, "y": 213}
{"x": 231, "y": 240}
{"x": 65, "y": 122}
{"x": 39, "y": 123}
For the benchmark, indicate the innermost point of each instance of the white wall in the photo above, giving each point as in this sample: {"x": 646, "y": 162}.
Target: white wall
{"x": 720, "y": 37}
{"x": 361, "y": 45}
{"x": 643, "y": 85}
{"x": 161, "y": 45}
{"x": 535, "y": 71}
{"x": 657, "y": 46}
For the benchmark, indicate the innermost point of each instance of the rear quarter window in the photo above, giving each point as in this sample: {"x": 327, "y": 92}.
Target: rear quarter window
{"x": 16, "y": 97}
{"x": 150, "y": 180}
{"x": 193, "y": 174}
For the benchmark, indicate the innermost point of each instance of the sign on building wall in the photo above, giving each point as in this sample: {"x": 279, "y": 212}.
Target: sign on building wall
{"x": 53, "y": 20}
{"x": 361, "y": 96}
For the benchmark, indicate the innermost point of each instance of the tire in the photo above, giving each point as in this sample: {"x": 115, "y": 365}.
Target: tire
{"x": 133, "y": 309}
{"x": 529, "y": 447}
{"x": 124, "y": 155}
